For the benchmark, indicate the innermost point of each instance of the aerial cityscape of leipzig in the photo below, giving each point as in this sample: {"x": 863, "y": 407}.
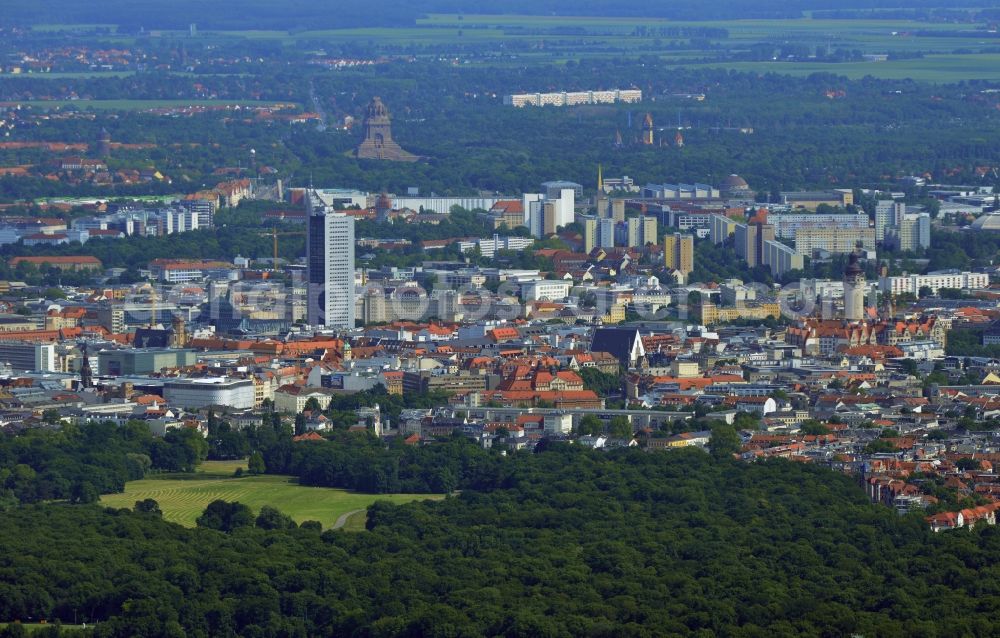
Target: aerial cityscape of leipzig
{"x": 454, "y": 319}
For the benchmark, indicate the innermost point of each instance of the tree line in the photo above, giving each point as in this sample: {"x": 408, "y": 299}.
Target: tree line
{"x": 78, "y": 463}
{"x": 572, "y": 542}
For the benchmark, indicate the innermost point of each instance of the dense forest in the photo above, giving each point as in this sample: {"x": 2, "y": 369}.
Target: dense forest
{"x": 80, "y": 462}
{"x": 365, "y": 464}
{"x": 573, "y": 542}
{"x": 826, "y": 131}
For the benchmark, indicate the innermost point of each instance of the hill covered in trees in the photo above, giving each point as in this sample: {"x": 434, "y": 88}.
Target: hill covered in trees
{"x": 570, "y": 542}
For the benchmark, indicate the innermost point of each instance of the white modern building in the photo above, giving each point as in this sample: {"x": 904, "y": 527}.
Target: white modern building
{"x": 935, "y": 281}
{"x": 781, "y": 258}
{"x": 444, "y": 205}
{"x": 903, "y": 230}
{"x": 489, "y": 247}
{"x": 28, "y": 357}
{"x": 912, "y": 233}
{"x": 680, "y": 191}
{"x": 292, "y": 400}
{"x": 564, "y": 98}
{"x": 888, "y": 212}
{"x": 176, "y": 220}
{"x": 786, "y": 224}
{"x": 545, "y": 214}
{"x": 687, "y": 219}
{"x": 545, "y": 289}
{"x": 558, "y": 423}
{"x": 832, "y": 239}
{"x": 330, "y": 259}
{"x": 201, "y": 393}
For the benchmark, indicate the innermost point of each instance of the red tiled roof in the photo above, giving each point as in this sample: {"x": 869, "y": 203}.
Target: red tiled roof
{"x": 56, "y": 259}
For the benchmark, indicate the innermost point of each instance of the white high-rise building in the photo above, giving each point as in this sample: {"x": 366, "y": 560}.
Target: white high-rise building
{"x": 176, "y": 220}
{"x": 544, "y": 214}
{"x": 913, "y": 232}
{"x": 887, "y": 213}
{"x": 330, "y": 259}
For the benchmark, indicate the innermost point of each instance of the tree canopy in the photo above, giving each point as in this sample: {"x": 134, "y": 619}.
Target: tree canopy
{"x": 569, "y": 542}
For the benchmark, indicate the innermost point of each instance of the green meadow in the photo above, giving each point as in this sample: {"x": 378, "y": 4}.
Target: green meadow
{"x": 183, "y": 498}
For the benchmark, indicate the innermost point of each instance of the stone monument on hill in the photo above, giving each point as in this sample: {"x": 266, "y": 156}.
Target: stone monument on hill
{"x": 378, "y": 143}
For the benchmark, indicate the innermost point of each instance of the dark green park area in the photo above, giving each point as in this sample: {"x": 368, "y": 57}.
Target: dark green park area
{"x": 561, "y": 542}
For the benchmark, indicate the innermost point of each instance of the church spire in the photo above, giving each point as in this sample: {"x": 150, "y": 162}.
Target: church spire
{"x": 86, "y": 373}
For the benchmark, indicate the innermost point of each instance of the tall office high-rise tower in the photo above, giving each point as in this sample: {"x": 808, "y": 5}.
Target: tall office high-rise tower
{"x": 330, "y": 256}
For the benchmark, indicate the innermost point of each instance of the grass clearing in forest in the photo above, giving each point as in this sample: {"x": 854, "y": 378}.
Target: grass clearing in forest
{"x": 183, "y": 499}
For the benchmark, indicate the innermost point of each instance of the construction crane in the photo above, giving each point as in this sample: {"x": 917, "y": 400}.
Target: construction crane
{"x": 274, "y": 236}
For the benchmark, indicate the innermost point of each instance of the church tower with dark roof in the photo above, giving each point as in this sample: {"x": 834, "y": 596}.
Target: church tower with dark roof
{"x": 86, "y": 372}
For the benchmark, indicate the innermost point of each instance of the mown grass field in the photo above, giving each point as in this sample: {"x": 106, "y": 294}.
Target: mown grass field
{"x": 182, "y": 499}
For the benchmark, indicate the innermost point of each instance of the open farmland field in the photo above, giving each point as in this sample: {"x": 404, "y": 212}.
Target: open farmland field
{"x": 932, "y": 68}
{"x": 183, "y": 499}
{"x": 951, "y": 52}
{"x": 625, "y": 31}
